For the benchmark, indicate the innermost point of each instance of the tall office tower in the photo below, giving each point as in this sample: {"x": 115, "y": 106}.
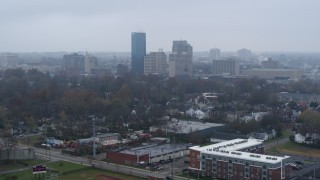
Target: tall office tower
{"x": 9, "y": 59}
{"x": 225, "y": 67}
{"x": 138, "y": 51}
{"x": 73, "y": 64}
{"x": 155, "y": 63}
{"x": 214, "y": 54}
{"x": 244, "y": 54}
{"x": 180, "y": 60}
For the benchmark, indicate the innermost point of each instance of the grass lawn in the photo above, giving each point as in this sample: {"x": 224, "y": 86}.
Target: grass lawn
{"x": 8, "y": 167}
{"x": 297, "y": 149}
{"x": 23, "y": 175}
{"x": 72, "y": 171}
{"x": 31, "y": 140}
{"x": 64, "y": 166}
{"x": 285, "y": 134}
{"x": 93, "y": 173}
{"x": 33, "y": 161}
{"x": 12, "y": 165}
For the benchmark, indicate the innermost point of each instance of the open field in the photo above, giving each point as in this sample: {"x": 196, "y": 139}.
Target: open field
{"x": 98, "y": 174}
{"x": 70, "y": 171}
{"x": 63, "y": 166}
{"x": 30, "y": 140}
{"x": 291, "y": 148}
{"x": 12, "y": 165}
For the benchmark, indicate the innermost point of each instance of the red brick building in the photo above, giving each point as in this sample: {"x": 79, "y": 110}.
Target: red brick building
{"x": 123, "y": 158}
{"x": 238, "y": 159}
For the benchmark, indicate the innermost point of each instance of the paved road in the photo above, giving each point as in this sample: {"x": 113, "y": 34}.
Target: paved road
{"x": 53, "y": 155}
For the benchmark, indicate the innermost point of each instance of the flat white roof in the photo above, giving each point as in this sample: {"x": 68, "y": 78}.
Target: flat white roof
{"x": 232, "y": 145}
{"x": 231, "y": 149}
{"x": 185, "y": 127}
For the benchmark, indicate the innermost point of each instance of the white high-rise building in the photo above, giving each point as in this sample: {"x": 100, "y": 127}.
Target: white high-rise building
{"x": 215, "y": 54}
{"x": 155, "y": 63}
{"x": 180, "y": 60}
{"x": 225, "y": 67}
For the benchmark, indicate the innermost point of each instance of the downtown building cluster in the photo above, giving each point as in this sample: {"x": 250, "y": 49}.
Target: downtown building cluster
{"x": 180, "y": 59}
{"x": 238, "y": 159}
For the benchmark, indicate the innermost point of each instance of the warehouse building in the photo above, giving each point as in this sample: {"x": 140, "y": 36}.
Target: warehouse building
{"x": 187, "y": 127}
{"x": 150, "y": 153}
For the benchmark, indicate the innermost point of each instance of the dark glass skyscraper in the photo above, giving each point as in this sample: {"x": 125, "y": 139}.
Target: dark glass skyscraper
{"x": 138, "y": 51}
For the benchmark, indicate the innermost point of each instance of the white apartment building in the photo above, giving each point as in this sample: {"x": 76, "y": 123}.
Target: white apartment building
{"x": 155, "y": 63}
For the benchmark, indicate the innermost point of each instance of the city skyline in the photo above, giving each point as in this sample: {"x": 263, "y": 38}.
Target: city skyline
{"x": 34, "y": 26}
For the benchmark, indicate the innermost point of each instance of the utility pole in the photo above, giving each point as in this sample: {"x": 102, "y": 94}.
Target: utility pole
{"x": 93, "y": 136}
{"x": 314, "y": 170}
{"x": 174, "y": 148}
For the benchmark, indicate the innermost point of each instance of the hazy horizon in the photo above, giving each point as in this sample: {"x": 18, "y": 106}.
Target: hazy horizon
{"x": 106, "y": 26}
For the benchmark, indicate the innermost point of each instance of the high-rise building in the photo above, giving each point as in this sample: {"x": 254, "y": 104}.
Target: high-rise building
{"x": 225, "y": 67}
{"x": 138, "y": 51}
{"x": 155, "y": 63}
{"x": 90, "y": 63}
{"x": 180, "y": 60}
{"x": 9, "y": 59}
{"x": 73, "y": 64}
{"x": 244, "y": 54}
{"x": 215, "y": 54}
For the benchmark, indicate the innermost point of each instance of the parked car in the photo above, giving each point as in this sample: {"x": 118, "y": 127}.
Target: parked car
{"x": 160, "y": 167}
{"x": 155, "y": 164}
{"x": 294, "y": 166}
{"x": 299, "y": 162}
{"x": 162, "y": 161}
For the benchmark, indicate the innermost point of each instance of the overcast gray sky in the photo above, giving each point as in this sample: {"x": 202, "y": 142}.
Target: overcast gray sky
{"x": 106, "y": 25}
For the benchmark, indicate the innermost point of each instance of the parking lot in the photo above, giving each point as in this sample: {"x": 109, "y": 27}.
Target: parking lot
{"x": 167, "y": 167}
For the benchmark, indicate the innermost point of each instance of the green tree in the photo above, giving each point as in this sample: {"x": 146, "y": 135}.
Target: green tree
{"x": 311, "y": 118}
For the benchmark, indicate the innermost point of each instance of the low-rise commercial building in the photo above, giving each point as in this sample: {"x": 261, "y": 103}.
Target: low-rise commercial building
{"x": 188, "y": 127}
{"x": 150, "y": 153}
{"x": 274, "y": 74}
{"x": 238, "y": 159}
